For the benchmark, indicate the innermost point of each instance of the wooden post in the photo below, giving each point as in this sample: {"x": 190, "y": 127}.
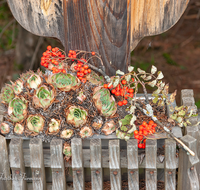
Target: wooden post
{"x": 57, "y": 165}
{"x": 187, "y": 174}
{"x": 17, "y": 164}
{"x": 4, "y": 165}
{"x": 194, "y": 132}
{"x": 96, "y": 164}
{"x": 132, "y": 156}
{"x": 77, "y": 164}
{"x": 37, "y": 164}
{"x": 150, "y": 165}
{"x": 170, "y": 164}
{"x": 114, "y": 164}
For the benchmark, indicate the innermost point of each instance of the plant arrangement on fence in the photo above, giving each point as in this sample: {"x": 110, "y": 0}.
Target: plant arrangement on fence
{"x": 76, "y": 98}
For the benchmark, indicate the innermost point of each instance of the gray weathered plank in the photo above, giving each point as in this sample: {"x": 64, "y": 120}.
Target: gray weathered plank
{"x": 4, "y": 165}
{"x": 170, "y": 164}
{"x": 17, "y": 164}
{"x": 37, "y": 164}
{"x": 77, "y": 164}
{"x": 96, "y": 164}
{"x": 114, "y": 164}
{"x": 150, "y": 164}
{"x": 187, "y": 174}
{"x": 132, "y": 157}
{"x": 57, "y": 165}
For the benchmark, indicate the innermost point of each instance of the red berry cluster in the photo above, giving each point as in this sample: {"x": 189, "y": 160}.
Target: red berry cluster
{"x": 144, "y": 130}
{"x": 121, "y": 90}
{"x": 51, "y": 59}
{"x": 82, "y": 70}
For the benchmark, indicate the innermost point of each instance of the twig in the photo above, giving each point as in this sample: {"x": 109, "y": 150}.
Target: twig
{"x": 6, "y": 26}
{"x": 39, "y": 43}
{"x": 168, "y": 131}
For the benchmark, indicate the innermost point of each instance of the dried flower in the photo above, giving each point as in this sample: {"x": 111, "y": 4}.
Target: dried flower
{"x": 76, "y": 116}
{"x": 109, "y": 127}
{"x": 64, "y": 82}
{"x": 35, "y": 123}
{"x": 54, "y": 125}
{"x": 19, "y": 129}
{"x": 67, "y": 133}
{"x": 104, "y": 102}
{"x": 34, "y": 81}
{"x": 44, "y": 96}
{"x": 17, "y": 109}
{"x": 7, "y": 94}
{"x": 5, "y": 128}
{"x": 86, "y": 132}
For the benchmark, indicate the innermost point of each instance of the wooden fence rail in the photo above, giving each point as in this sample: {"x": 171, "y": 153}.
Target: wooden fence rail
{"x": 36, "y": 158}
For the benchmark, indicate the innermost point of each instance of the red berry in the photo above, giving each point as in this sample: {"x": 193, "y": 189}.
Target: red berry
{"x": 140, "y": 132}
{"x": 131, "y": 90}
{"x": 124, "y": 102}
{"x": 124, "y": 82}
{"x": 151, "y": 122}
{"x": 78, "y": 74}
{"x": 85, "y": 72}
{"x": 49, "y": 47}
{"x": 85, "y": 67}
{"x": 93, "y": 53}
{"x": 82, "y": 69}
{"x": 141, "y": 127}
{"x": 136, "y": 136}
{"x": 117, "y": 93}
{"x": 120, "y": 103}
{"x": 83, "y": 80}
{"x": 70, "y": 51}
{"x": 144, "y": 123}
{"x": 131, "y": 95}
{"x": 89, "y": 70}
{"x": 111, "y": 86}
{"x": 145, "y": 133}
{"x": 140, "y": 137}
{"x": 105, "y": 85}
{"x": 75, "y": 67}
{"x": 143, "y": 145}
{"x": 63, "y": 70}
{"x": 135, "y": 132}
{"x": 133, "y": 79}
{"x": 81, "y": 74}
{"x": 113, "y": 91}
{"x": 139, "y": 145}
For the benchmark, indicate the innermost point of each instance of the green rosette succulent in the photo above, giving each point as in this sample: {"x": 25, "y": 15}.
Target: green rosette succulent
{"x": 104, "y": 103}
{"x": 5, "y": 128}
{"x": 64, "y": 82}
{"x": 34, "y": 81}
{"x": 54, "y": 125}
{"x": 17, "y": 109}
{"x": 7, "y": 94}
{"x": 44, "y": 96}
{"x": 76, "y": 116}
{"x": 35, "y": 123}
{"x": 18, "y": 86}
{"x": 26, "y": 75}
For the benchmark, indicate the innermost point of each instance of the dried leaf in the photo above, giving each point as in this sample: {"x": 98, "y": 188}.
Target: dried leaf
{"x": 128, "y": 78}
{"x": 160, "y": 75}
{"x": 141, "y": 71}
{"x": 181, "y": 113}
{"x": 132, "y": 109}
{"x": 153, "y": 69}
{"x": 179, "y": 119}
{"x": 148, "y": 78}
{"x": 161, "y": 103}
{"x": 152, "y": 83}
{"x": 155, "y": 100}
{"x": 116, "y": 81}
{"x": 133, "y": 120}
{"x": 118, "y": 72}
{"x": 132, "y": 129}
{"x": 130, "y": 68}
{"x": 172, "y": 96}
{"x": 166, "y": 90}
{"x": 143, "y": 76}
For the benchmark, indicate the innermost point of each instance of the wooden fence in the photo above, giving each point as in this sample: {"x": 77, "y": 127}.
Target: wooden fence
{"x": 15, "y": 158}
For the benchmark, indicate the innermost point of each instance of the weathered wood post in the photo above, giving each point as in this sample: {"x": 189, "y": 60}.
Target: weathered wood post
{"x": 187, "y": 173}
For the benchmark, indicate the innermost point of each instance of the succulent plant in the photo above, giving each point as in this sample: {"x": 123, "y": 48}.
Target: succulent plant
{"x": 109, "y": 127}
{"x": 67, "y": 133}
{"x": 76, "y": 116}
{"x": 54, "y": 125}
{"x": 17, "y": 86}
{"x": 17, "y": 109}
{"x": 34, "y": 81}
{"x": 44, "y": 96}
{"x": 35, "y": 123}
{"x": 19, "y": 129}
{"x": 97, "y": 124}
{"x": 67, "y": 151}
{"x": 7, "y": 94}
{"x": 64, "y": 82}
{"x": 26, "y": 75}
{"x": 104, "y": 103}
{"x": 86, "y": 132}
{"x": 5, "y": 128}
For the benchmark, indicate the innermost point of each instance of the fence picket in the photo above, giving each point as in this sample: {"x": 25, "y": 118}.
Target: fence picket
{"x": 150, "y": 162}
{"x": 132, "y": 156}
{"x": 17, "y": 164}
{"x": 57, "y": 165}
{"x": 37, "y": 164}
{"x": 4, "y": 165}
{"x": 114, "y": 164}
{"x": 187, "y": 174}
{"x": 170, "y": 164}
{"x": 77, "y": 164}
{"x": 96, "y": 164}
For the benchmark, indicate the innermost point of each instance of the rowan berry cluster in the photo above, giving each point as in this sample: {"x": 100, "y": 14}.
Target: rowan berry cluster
{"x": 121, "y": 90}
{"x": 52, "y": 59}
{"x": 144, "y": 130}
{"x": 82, "y": 70}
